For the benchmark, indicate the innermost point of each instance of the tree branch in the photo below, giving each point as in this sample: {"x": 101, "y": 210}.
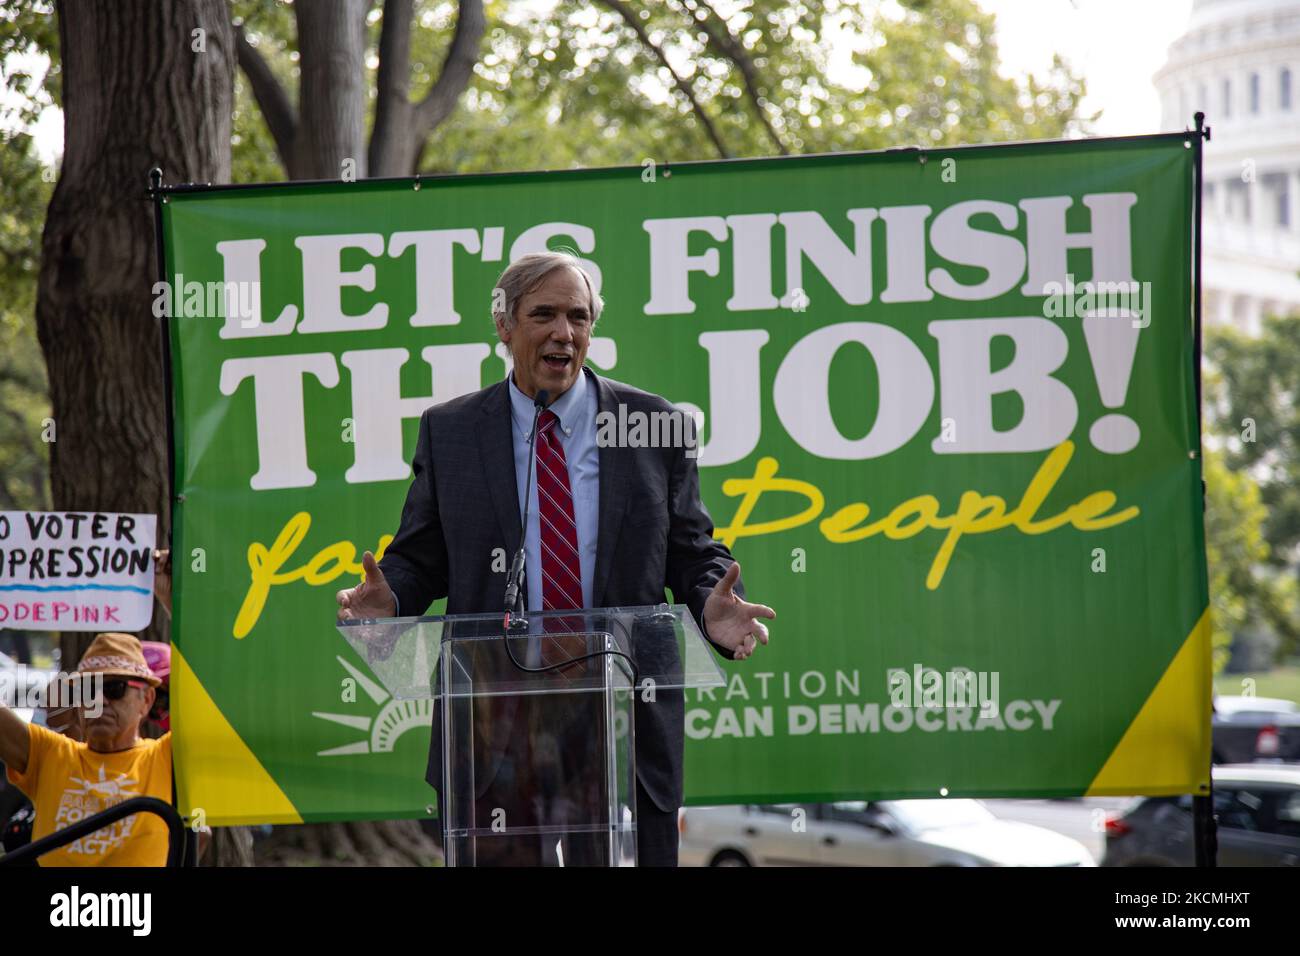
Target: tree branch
{"x": 471, "y": 22}
{"x": 724, "y": 42}
{"x": 633, "y": 21}
{"x": 392, "y": 86}
{"x": 270, "y": 96}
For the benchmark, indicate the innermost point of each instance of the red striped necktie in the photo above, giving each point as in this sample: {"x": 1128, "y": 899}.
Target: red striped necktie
{"x": 561, "y": 566}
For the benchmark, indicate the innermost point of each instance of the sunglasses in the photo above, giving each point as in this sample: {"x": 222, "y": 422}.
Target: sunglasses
{"x": 115, "y": 688}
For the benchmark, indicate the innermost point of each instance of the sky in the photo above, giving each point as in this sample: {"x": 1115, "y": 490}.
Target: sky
{"x": 1117, "y": 45}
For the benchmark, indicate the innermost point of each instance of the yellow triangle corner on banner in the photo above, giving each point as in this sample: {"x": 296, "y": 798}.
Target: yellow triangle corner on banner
{"x": 1166, "y": 749}
{"x": 217, "y": 773}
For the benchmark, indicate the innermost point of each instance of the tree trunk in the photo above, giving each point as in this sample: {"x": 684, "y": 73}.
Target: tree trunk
{"x": 330, "y": 142}
{"x": 230, "y": 846}
{"x": 371, "y": 843}
{"x": 140, "y": 88}
{"x": 394, "y": 112}
{"x": 402, "y": 128}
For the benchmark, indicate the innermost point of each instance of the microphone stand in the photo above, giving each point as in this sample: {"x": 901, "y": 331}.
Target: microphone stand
{"x": 514, "y": 620}
{"x": 514, "y": 610}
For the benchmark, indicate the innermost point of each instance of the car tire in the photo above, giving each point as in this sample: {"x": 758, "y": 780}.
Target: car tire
{"x": 729, "y": 858}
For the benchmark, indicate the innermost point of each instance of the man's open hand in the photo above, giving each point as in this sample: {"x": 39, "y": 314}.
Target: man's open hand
{"x": 372, "y": 598}
{"x": 733, "y": 623}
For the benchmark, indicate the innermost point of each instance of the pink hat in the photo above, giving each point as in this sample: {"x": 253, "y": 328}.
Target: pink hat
{"x": 159, "y": 658}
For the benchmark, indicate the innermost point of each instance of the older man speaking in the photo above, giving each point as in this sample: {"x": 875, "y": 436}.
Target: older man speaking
{"x": 613, "y": 526}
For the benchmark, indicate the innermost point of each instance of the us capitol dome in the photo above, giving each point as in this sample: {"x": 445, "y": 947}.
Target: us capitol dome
{"x": 1238, "y": 61}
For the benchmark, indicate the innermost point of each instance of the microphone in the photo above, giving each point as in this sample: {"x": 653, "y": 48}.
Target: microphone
{"x": 514, "y": 598}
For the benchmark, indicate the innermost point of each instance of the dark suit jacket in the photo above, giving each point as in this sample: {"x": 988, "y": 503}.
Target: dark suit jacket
{"x": 654, "y": 534}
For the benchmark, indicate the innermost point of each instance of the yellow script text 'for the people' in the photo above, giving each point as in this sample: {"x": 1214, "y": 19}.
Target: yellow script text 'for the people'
{"x": 264, "y": 566}
{"x": 976, "y": 513}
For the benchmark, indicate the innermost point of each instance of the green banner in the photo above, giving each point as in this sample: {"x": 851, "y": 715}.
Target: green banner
{"x": 950, "y": 434}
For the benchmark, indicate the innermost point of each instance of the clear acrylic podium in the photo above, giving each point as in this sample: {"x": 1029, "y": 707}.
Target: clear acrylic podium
{"x": 537, "y": 728}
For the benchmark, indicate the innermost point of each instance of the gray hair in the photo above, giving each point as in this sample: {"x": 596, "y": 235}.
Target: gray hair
{"x": 525, "y": 273}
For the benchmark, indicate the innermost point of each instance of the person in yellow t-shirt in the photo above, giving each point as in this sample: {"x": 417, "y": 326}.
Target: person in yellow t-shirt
{"x": 69, "y": 780}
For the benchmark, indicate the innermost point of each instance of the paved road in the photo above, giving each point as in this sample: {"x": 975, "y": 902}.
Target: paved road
{"x": 1080, "y": 819}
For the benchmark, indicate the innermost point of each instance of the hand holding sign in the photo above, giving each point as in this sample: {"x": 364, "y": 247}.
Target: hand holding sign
{"x": 162, "y": 579}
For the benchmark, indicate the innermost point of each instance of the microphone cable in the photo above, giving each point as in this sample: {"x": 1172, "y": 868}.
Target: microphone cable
{"x": 514, "y": 596}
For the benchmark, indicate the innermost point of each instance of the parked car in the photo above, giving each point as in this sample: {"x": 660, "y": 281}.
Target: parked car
{"x": 952, "y": 832}
{"x": 1255, "y": 728}
{"x": 1258, "y": 811}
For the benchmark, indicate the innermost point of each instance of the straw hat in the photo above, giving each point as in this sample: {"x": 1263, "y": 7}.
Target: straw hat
{"x": 119, "y": 655}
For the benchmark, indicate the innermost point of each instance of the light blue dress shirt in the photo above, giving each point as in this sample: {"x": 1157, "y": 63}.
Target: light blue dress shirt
{"x": 576, "y": 410}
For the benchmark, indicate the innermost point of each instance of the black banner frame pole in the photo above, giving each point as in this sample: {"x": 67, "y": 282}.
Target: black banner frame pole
{"x": 158, "y": 196}
{"x": 1204, "y": 827}
{"x": 189, "y": 839}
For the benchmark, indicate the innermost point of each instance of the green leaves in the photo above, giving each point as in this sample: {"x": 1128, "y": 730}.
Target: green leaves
{"x": 576, "y": 85}
{"x": 1252, "y": 476}
{"x": 24, "y": 399}
{"x": 29, "y": 36}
